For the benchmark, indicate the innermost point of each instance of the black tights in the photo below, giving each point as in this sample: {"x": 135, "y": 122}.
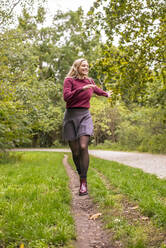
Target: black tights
{"x": 80, "y": 154}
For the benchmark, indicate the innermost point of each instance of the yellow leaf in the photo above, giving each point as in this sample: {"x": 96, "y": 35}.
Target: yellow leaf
{"x": 22, "y": 245}
{"x": 144, "y": 218}
{"x": 94, "y": 216}
{"x": 132, "y": 208}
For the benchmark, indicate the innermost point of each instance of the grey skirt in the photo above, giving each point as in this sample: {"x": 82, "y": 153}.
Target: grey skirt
{"x": 77, "y": 123}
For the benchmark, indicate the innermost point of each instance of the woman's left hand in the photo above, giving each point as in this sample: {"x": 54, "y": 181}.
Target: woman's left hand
{"x": 110, "y": 92}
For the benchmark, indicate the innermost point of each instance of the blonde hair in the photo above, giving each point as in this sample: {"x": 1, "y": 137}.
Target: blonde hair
{"x": 73, "y": 72}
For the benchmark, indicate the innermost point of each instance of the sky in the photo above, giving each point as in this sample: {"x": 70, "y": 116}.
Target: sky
{"x": 64, "y": 5}
{"x": 53, "y": 5}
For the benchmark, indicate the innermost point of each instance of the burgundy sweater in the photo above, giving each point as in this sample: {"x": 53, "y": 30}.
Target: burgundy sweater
{"x": 75, "y": 96}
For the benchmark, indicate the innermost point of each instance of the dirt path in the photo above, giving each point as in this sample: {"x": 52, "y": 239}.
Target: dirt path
{"x": 151, "y": 163}
{"x": 90, "y": 233}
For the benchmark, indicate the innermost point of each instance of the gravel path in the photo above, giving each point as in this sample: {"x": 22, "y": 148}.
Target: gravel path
{"x": 151, "y": 163}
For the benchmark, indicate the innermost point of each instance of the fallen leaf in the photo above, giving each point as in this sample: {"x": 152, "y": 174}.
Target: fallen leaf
{"x": 144, "y": 218}
{"x": 135, "y": 207}
{"x": 94, "y": 216}
{"x": 22, "y": 245}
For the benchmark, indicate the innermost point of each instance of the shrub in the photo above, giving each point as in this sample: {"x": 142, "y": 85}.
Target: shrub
{"x": 155, "y": 144}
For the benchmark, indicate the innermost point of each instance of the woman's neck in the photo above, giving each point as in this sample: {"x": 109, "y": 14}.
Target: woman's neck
{"x": 82, "y": 77}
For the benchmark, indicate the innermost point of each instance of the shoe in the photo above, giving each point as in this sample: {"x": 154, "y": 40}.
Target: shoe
{"x": 83, "y": 187}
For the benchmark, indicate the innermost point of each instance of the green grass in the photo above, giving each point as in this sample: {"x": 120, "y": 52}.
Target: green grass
{"x": 35, "y": 202}
{"x": 116, "y": 188}
{"x": 109, "y": 147}
{"x": 146, "y": 189}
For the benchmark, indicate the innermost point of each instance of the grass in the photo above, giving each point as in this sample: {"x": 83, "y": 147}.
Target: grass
{"x": 146, "y": 189}
{"x": 35, "y": 202}
{"x": 109, "y": 147}
{"x": 133, "y": 203}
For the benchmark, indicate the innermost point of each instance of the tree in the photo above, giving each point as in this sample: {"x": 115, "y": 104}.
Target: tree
{"x": 34, "y": 62}
{"x": 127, "y": 77}
{"x": 7, "y": 10}
{"x": 140, "y": 59}
{"x": 34, "y": 92}
{"x": 13, "y": 119}
{"x": 74, "y": 40}
{"x": 13, "y": 115}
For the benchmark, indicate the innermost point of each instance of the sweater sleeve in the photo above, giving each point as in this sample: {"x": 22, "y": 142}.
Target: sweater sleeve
{"x": 68, "y": 93}
{"x": 99, "y": 91}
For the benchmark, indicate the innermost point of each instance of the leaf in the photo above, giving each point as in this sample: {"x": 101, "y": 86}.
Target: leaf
{"x": 95, "y": 216}
{"x": 21, "y": 245}
{"x": 144, "y": 218}
{"x": 133, "y": 208}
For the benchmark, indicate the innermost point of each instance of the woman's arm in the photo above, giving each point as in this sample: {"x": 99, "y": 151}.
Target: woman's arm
{"x": 68, "y": 93}
{"x": 99, "y": 91}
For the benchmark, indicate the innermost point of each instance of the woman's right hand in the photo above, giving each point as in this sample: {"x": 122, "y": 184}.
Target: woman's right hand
{"x": 88, "y": 86}
{"x": 110, "y": 93}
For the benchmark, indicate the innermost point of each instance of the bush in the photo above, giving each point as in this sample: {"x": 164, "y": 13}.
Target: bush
{"x": 57, "y": 144}
{"x": 143, "y": 129}
{"x": 129, "y": 136}
{"x": 155, "y": 144}
{"x": 119, "y": 128}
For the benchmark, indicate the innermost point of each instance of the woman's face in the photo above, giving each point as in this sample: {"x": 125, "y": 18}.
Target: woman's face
{"x": 83, "y": 68}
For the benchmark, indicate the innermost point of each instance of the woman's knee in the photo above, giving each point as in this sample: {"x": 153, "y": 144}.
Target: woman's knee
{"x": 83, "y": 142}
{"x": 83, "y": 147}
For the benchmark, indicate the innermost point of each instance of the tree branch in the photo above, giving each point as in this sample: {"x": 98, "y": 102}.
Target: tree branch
{"x": 8, "y": 14}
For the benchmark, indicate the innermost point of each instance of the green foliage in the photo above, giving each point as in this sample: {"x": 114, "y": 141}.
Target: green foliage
{"x": 139, "y": 25}
{"x": 125, "y": 75}
{"x": 35, "y": 60}
{"x": 121, "y": 128}
{"x": 13, "y": 121}
{"x": 73, "y": 40}
{"x": 29, "y": 95}
{"x": 138, "y": 61}
{"x": 105, "y": 120}
{"x": 7, "y": 10}
{"x": 34, "y": 63}
{"x": 144, "y": 130}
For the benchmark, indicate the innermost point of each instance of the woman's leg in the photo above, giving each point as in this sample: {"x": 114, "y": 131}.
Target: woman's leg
{"x": 80, "y": 155}
{"x": 75, "y": 148}
{"x": 84, "y": 155}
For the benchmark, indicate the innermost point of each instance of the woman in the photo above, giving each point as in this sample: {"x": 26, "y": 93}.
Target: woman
{"x": 78, "y": 126}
